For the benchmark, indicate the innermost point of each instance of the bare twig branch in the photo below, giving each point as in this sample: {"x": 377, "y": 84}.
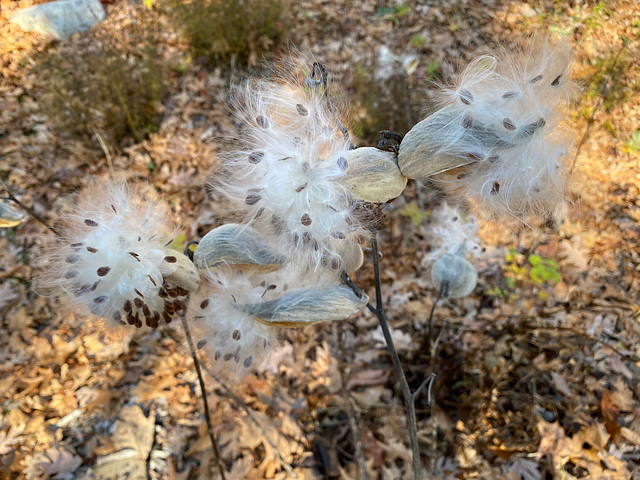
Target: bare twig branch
{"x": 378, "y": 311}
{"x": 207, "y": 416}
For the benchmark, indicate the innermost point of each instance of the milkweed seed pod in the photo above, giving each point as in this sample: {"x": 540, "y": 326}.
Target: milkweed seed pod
{"x": 498, "y": 141}
{"x": 236, "y": 317}
{"x": 454, "y": 276}
{"x": 10, "y": 216}
{"x": 113, "y": 259}
{"x": 286, "y": 177}
{"x": 239, "y": 246}
{"x": 372, "y": 175}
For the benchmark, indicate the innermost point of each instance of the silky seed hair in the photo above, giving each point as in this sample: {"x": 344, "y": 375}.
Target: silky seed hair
{"x": 112, "y": 258}
{"x": 285, "y": 176}
{"x": 232, "y": 341}
{"x": 449, "y": 229}
{"x": 504, "y": 116}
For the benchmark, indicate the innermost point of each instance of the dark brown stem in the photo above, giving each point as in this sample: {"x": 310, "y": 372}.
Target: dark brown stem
{"x": 378, "y": 311}
{"x": 207, "y": 416}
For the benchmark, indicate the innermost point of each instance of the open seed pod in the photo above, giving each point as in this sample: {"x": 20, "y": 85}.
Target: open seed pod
{"x": 351, "y": 256}
{"x": 185, "y": 274}
{"x": 454, "y": 276}
{"x": 306, "y": 306}
{"x": 237, "y": 245}
{"x": 372, "y": 175}
{"x": 9, "y": 215}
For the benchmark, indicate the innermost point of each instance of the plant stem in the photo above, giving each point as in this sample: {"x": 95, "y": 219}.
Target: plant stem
{"x": 378, "y": 311}
{"x": 207, "y": 416}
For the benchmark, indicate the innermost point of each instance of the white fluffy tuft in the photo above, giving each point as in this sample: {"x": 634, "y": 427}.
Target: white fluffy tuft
{"x": 286, "y": 176}
{"x": 234, "y": 341}
{"x": 449, "y": 230}
{"x": 505, "y": 116}
{"x": 111, "y": 258}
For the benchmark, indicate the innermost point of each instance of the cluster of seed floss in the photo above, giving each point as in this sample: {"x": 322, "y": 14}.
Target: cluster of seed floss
{"x": 113, "y": 259}
{"x": 285, "y": 178}
{"x": 232, "y": 338}
{"x": 504, "y": 117}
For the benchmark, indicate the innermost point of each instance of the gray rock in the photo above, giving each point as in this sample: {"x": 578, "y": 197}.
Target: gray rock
{"x": 60, "y": 18}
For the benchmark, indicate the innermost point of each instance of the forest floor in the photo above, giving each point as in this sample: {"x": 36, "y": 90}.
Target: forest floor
{"x": 534, "y": 379}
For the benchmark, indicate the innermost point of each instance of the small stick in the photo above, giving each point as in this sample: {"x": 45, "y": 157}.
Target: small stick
{"x": 378, "y": 311}
{"x": 353, "y": 423}
{"x": 207, "y": 416}
{"x": 238, "y": 401}
{"x": 593, "y": 112}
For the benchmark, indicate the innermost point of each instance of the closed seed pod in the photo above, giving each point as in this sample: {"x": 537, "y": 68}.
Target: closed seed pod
{"x": 372, "y": 175}
{"x": 185, "y": 274}
{"x": 236, "y": 245}
{"x": 453, "y": 276}
{"x": 307, "y": 306}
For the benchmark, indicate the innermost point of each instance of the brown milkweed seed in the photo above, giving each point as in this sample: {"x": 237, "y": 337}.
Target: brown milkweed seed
{"x": 508, "y": 124}
{"x": 256, "y": 157}
{"x": 466, "y": 97}
{"x": 252, "y": 199}
{"x": 103, "y": 271}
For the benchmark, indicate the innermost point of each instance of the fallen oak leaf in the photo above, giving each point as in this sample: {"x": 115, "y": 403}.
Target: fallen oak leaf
{"x": 53, "y": 463}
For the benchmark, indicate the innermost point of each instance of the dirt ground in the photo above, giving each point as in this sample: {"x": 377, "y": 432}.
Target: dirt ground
{"x": 534, "y": 379}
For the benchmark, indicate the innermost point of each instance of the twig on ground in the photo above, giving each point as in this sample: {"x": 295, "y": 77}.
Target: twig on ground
{"x": 591, "y": 119}
{"x": 238, "y": 401}
{"x": 207, "y": 416}
{"x": 353, "y": 423}
{"x": 105, "y": 149}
